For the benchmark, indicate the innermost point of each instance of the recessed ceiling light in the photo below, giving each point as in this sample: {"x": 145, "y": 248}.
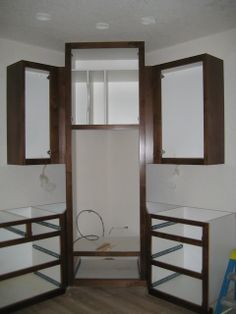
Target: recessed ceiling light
{"x": 147, "y": 20}
{"x": 102, "y": 25}
{"x": 41, "y": 16}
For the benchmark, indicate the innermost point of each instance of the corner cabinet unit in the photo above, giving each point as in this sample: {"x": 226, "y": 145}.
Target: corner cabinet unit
{"x": 188, "y": 111}
{"x": 33, "y": 104}
{"x": 32, "y": 256}
{"x": 188, "y": 254}
{"x": 104, "y": 84}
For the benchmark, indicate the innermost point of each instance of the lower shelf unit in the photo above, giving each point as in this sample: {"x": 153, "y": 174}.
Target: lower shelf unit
{"x": 188, "y": 251}
{"x": 108, "y": 258}
{"x": 32, "y": 256}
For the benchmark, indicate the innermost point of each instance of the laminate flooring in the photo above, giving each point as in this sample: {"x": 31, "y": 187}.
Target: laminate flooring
{"x": 105, "y": 300}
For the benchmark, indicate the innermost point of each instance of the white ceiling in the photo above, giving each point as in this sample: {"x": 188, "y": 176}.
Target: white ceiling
{"x": 74, "y": 20}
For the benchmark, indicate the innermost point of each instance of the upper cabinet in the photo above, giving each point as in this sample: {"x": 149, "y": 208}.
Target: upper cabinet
{"x": 32, "y": 113}
{"x": 188, "y": 111}
{"x": 104, "y": 84}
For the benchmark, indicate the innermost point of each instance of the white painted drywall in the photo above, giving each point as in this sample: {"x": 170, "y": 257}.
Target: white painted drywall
{"x": 201, "y": 186}
{"x": 20, "y": 185}
{"x": 182, "y": 112}
{"x": 106, "y": 179}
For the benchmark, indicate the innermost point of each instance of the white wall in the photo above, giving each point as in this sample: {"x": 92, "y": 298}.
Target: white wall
{"x": 201, "y": 186}
{"x": 20, "y": 185}
{"x": 123, "y": 181}
{"x": 106, "y": 179}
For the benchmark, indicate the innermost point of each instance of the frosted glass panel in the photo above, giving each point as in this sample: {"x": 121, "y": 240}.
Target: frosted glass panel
{"x": 182, "y": 112}
{"x": 37, "y": 114}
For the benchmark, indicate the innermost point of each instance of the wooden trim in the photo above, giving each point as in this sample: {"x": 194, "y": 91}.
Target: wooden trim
{"x": 61, "y": 112}
{"x": 15, "y": 114}
{"x": 63, "y": 250}
{"x": 97, "y": 45}
{"x": 54, "y": 116}
{"x": 177, "y": 238}
{"x": 149, "y": 105}
{"x": 24, "y": 221}
{"x": 157, "y": 114}
{"x": 213, "y": 80}
{"x": 109, "y": 253}
{"x": 30, "y": 239}
{"x": 179, "y": 220}
{"x": 177, "y": 269}
{"x": 142, "y": 163}
{"x": 182, "y": 62}
{"x": 110, "y": 282}
{"x": 28, "y": 230}
{"x": 37, "y": 161}
{"x": 149, "y": 252}
{"x": 183, "y": 161}
{"x": 205, "y": 267}
{"x": 36, "y": 65}
{"x": 104, "y": 126}
{"x": 68, "y": 162}
{"x": 31, "y": 269}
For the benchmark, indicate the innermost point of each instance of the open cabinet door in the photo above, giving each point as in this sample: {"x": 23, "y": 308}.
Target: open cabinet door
{"x": 187, "y": 99}
{"x": 35, "y": 105}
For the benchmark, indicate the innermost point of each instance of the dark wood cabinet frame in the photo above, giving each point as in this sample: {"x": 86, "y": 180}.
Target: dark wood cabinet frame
{"x": 140, "y": 126}
{"x": 213, "y": 86}
{"x": 16, "y": 113}
{"x": 29, "y": 237}
{"x": 203, "y": 275}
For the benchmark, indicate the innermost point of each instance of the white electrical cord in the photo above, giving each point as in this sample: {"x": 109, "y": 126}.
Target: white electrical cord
{"x": 45, "y": 182}
{"x": 89, "y": 237}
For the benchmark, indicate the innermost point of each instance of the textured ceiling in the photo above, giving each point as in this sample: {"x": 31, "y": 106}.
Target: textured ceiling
{"x": 74, "y": 20}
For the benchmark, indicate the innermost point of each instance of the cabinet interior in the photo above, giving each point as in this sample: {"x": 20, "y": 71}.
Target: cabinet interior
{"x": 105, "y": 145}
{"x": 37, "y": 113}
{"x": 32, "y": 255}
{"x": 185, "y": 99}
{"x": 182, "y": 111}
{"x": 105, "y": 86}
{"x": 106, "y": 179}
{"x": 186, "y": 262}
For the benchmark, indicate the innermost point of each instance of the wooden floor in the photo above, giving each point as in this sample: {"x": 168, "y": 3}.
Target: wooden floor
{"x": 105, "y": 300}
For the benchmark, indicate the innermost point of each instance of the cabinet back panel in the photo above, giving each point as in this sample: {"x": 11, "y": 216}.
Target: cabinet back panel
{"x": 37, "y": 120}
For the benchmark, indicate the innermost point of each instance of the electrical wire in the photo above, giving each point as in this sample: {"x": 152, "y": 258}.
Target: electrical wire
{"x": 89, "y": 237}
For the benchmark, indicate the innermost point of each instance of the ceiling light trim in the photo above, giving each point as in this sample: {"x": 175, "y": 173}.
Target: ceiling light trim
{"x": 148, "y": 20}
{"x": 42, "y": 16}
{"x": 102, "y": 25}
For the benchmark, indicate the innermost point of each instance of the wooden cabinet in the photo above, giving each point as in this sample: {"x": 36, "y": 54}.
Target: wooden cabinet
{"x": 105, "y": 97}
{"x": 104, "y": 84}
{"x": 188, "y": 111}
{"x": 188, "y": 253}
{"x": 32, "y": 255}
{"x": 104, "y": 91}
{"x": 33, "y": 104}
